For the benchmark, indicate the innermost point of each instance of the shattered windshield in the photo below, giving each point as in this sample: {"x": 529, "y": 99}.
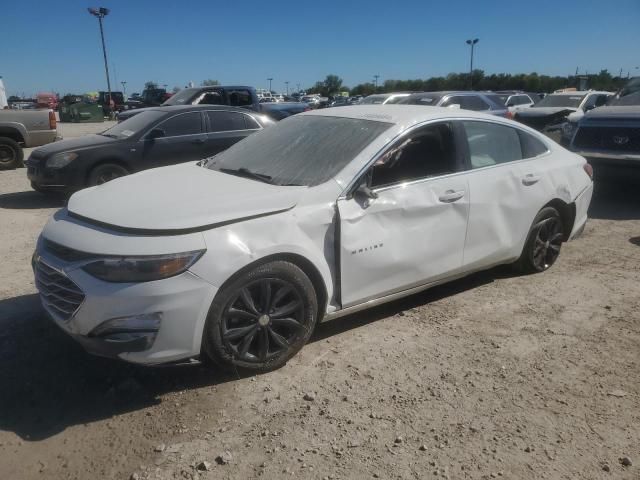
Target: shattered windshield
{"x": 301, "y": 150}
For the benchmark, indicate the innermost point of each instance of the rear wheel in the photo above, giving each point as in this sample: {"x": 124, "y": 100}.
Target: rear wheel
{"x": 262, "y": 318}
{"x": 11, "y": 154}
{"x": 105, "y": 173}
{"x": 543, "y": 243}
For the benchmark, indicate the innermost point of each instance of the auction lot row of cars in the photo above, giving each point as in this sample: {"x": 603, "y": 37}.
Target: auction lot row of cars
{"x": 255, "y": 230}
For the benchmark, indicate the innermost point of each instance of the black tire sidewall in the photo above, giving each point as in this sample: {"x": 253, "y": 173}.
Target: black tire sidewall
{"x": 98, "y": 170}
{"x": 526, "y": 263}
{"x": 18, "y": 154}
{"x": 212, "y": 343}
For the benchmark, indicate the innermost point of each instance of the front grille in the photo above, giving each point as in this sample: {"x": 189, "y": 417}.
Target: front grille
{"x": 619, "y": 139}
{"x": 60, "y": 296}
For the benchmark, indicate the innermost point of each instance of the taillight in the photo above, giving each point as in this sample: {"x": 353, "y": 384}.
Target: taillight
{"x": 509, "y": 115}
{"x": 307, "y": 109}
{"x": 52, "y": 120}
{"x": 588, "y": 170}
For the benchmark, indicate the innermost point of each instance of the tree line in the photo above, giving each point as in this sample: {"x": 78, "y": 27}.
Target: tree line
{"x": 528, "y": 82}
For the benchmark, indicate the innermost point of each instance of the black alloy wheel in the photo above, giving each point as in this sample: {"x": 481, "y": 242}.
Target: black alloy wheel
{"x": 547, "y": 243}
{"x": 105, "y": 173}
{"x": 261, "y": 318}
{"x": 543, "y": 243}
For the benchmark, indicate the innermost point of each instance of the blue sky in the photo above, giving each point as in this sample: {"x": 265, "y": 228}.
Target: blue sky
{"x": 48, "y": 45}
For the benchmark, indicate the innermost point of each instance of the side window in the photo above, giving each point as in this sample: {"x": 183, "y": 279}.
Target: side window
{"x": 250, "y": 123}
{"x": 452, "y": 101}
{"x": 601, "y": 100}
{"x": 211, "y": 98}
{"x": 425, "y": 153}
{"x": 531, "y": 146}
{"x": 471, "y": 102}
{"x": 491, "y": 144}
{"x": 183, "y": 124}
{"x": 523, "y": 100}
{"x": 225, "y": 121}
{"x": 239, "y": 98}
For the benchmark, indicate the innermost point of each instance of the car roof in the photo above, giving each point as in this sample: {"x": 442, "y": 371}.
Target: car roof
{"x": 188, "y": 108}
{"x": 582, "y": 92}
{"x": 402, "y": 115}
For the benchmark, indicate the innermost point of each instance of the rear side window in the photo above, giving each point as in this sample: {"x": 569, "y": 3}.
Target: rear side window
{"x": 183, "y": 124}
{"x": 226, "y": 121}
{"x": 531, "y": 146}
{"x": 492, "y": 144}
{"x": 239, "y": 98}
{"x": 467, "y": 102}
{"x": 211, "y": 98}
{"x": 495, "y": 99}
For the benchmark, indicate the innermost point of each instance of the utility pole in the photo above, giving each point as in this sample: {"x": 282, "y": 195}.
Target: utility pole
{"x": 270, "y": 80}
{"x": 287, "y": 84}
{"x": 375, "y": 80}
{"x": 472, "y": 43}
{"x": 298, "y": 85}
{"x": 100, "y": 13}
{"x": 124, "y": 87}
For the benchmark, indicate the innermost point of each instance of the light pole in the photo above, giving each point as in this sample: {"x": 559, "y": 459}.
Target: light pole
{"x": 100, "y": 13}
{"x": 287, "y": 84}
{"x": 270, "y": 80}
{"x": 472, "y": 43}
{"x": 375, "y": 78}
{"x": 124, "y": 87}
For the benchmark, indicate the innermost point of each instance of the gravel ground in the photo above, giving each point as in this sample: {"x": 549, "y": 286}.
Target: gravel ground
{"x": 491, "y": 376}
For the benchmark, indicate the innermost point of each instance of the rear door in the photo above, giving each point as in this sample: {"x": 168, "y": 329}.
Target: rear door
{"x": 413, "y": 232}
{"x": 183, "y": 139}
{"x": 509, "y": 178}
{"x": 226, "y": 128}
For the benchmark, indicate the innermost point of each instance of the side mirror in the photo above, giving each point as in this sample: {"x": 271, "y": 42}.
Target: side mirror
{"x": 155, "y": 133}
{"x": 364, "y": 191}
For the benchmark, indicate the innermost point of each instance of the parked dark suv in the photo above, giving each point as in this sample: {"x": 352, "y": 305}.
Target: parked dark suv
{"x": 154, "y": 138}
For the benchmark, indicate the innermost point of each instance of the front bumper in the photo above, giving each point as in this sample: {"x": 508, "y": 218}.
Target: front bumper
{"x": 68, "y": 178}
{"x": 181, "y": 302}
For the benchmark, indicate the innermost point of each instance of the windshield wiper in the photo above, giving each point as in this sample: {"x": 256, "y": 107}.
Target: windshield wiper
{"x": 110, "y": 135}
{"x": 245, "y": 172}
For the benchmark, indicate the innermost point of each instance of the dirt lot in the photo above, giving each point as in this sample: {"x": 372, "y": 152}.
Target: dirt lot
{"x": 492, "y": 376}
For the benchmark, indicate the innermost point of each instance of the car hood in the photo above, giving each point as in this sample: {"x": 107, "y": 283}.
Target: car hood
{"x": 179, "y": 199}
{"x": 72, "y": 144}
{"x": 545, "y": 111}
{"x": 624, "y": 112}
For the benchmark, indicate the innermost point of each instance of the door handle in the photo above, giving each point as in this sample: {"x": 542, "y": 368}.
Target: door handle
{"x": 198, "y": 141}
{"x": 530, "y": 179}
{"x": 451, "y": 196}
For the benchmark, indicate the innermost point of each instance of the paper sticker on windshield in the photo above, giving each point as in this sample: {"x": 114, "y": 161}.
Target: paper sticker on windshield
{"x": 127, "y": 133}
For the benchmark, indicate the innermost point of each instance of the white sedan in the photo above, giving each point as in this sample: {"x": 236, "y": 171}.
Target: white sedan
{"x": 238, "y": 257}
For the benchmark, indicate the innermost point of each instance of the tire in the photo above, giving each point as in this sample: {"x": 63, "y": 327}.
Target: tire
{"x": 544, "y": 242}
{"x": 105, "y": 173}
{"x": 11, "y": 154}
{"x": 239, "y": 335}
{"x": 38, "y": 188}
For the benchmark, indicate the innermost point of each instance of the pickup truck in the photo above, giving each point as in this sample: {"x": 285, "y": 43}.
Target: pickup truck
{"x": 234, "y": 96}
{"x": 609, "y": 136}
{"x": 24, "y": 128}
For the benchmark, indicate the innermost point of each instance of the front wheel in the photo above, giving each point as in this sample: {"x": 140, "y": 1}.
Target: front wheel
{"x": 261, "y": 318}
{"x": 543, "y": 243}
{"x": 105, "y": 173}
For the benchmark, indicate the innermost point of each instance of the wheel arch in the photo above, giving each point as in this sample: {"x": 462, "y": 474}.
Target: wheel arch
{"x": 12, "y": 133}
{"x": 567, "y": 213}
{"x": 304, "y": 264}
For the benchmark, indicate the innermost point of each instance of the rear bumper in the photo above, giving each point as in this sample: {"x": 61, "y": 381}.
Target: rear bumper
{"x": 41, "y": 137}
{"x": 613, "y": 165}
{"x": 582, "y": 203}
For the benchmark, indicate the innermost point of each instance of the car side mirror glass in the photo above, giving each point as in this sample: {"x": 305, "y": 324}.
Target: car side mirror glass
{"x": 155, "y": 133}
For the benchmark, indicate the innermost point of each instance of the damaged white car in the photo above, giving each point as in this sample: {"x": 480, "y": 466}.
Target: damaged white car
{"x": 238, "y": 257}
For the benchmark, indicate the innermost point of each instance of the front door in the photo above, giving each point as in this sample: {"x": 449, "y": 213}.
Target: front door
{"x": 226, "y": 128}
{"x": 183, "y": 139}
{"x": 413, "y": 232}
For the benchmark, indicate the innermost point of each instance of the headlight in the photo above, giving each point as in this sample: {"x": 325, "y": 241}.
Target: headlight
{"x": 143, "y": 268}
{"x": 60, "y": 160}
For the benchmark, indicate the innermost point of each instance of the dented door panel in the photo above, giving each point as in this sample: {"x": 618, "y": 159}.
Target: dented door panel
{"x": 411, "y": 234}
